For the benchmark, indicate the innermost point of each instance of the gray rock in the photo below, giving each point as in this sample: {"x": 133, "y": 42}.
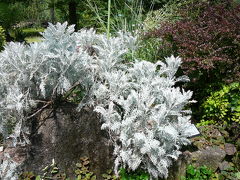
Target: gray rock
{"x": 64, "y": 135}
{"x": 224, "y": 165}
{"x": 230, "y": 149}
{"x": 178, "y": 169}
{"x": 210, "y": 157}
{"x": 10, "y": 162}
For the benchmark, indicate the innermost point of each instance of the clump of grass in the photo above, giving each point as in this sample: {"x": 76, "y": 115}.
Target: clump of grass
{"x": 128, "y": 17}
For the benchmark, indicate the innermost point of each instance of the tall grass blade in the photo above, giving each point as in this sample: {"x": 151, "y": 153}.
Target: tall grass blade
{"x": 109, "y": 16}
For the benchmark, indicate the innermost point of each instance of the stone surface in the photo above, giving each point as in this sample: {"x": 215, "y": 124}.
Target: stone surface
{"x": 210, "y": 157}
{"x": 230, "y": 149}
{"x": 224, "y": 165}
{"x": 11, "y": 160}
{"x": 64, "y": 135}
{"x": 178, "y": 169}
{"x": 68, "y": 136}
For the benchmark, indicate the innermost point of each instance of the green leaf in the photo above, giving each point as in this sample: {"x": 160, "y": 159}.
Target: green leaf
{"x": 54, "y": 170}
{"x": 191, "y": 170}
{"x": 79, "y": 177}
{"x": 78, "y": 171}
{"x": 88, "y": 175}
{"x": 109, "y": 171}
{"x": 79, "y": 165}
{"x": 46, "y": 168}
{"x": 38, "y": 178}
{"x": 237, "y": 175}
{"x": 94, "y": 177}
{"x": 104, "y": 175}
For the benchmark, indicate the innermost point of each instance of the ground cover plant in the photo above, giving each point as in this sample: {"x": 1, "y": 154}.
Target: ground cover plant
{"x": 138, "y": 102}
{"x": 194, "y": 173}
{"x": 82, "y": 172}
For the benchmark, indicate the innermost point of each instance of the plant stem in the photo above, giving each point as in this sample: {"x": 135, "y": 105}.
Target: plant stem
{"x": 109, "y": 14}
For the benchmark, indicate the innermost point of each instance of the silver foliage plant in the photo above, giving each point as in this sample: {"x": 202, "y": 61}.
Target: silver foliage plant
{"x": 138, "y": 101}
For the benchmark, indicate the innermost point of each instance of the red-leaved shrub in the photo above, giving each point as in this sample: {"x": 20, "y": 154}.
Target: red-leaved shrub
{"x": 209, "y": 43}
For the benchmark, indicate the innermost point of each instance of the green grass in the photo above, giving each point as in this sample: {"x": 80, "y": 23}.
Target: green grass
{"x": 33, "y": 30}
{"x": 28, "y": 34}
{"x": 113, "y": 19}
{"x": 32, "y": 39}
{"x": 33, "y": 34}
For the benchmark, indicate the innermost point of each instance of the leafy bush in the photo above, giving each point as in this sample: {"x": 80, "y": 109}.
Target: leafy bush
{"x": 140, "y": 106}
{"x": 18, "y": 35}
{"x": 146, "y": 123}
{"x": 222, "y": 106}
{"x": 2, "y": 37}
{"x": 28, "y": 34}
{"x": 10, "y": 13}
{"x": 170, "y": 12}
{"x": 200, "y": 173}
{"x": 137, "y": 175}
{"x": 208, "y": 40}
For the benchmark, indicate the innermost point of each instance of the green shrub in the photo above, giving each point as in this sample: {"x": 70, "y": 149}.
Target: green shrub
{"x": 200, "y": 173}
{"x": 136, "y": 175}
{"x": 2, "y": 37}
{"x": 222, "y": 106}
{"x": 11, "y": 13}
{"x": 18, "y": 35}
